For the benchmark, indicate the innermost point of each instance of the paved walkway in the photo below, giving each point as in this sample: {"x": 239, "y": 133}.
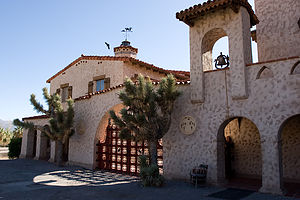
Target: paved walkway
{"x": 31, "y": 179}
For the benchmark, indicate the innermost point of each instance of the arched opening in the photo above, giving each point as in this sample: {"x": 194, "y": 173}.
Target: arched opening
{"x": 221, "y": 46}
{"x": 101, "y": 130}
{"x": 264, "y": 73}
{"x": 296, "y": 68}
{"x": 290, "y": 153}
{"x": 210, "y": 49}
{"x": 239, "y": 154}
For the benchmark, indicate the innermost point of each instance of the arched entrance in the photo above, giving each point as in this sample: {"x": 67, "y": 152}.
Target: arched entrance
{"x": 239, "y": 154}
{"x": 117, "y": 155}
{"x": 290, "y": 154}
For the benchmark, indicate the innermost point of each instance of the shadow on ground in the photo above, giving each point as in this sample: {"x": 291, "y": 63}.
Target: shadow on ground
{"x": 31, "y": 179}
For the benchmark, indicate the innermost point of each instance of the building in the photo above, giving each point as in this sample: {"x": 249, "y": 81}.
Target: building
{"x": 256, "y": 104}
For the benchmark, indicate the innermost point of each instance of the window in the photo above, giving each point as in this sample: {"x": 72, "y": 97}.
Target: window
{"x": 99, "y": 85}
{"x": 65, "y": 91}
{"x": 64, "y": 94}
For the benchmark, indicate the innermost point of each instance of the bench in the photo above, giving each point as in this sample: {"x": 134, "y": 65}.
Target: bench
{"x": 198, "y": 175}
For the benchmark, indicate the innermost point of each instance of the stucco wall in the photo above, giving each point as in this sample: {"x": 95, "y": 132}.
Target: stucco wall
{"x": 278, "y": 33}
{"x": 247, "y": 151}
{"x": 88, "y": 114}
{"x": 270, "y": 102}
{"x": 237, "y": 27}
{"x": 291, "y": 149}
{"x": 130, "y": 70}
{"x": 79, "y": 75}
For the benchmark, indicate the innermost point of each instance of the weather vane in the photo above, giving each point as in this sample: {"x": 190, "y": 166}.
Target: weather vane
{"x": 126, "y": 31}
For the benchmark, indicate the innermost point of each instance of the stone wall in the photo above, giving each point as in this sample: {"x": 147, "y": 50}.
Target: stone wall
{"x": 278, "y": 32}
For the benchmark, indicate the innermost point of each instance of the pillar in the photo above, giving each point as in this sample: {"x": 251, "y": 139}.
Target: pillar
{"x": 27, "y": 147}
{"x": 41, "y": 146}
{"x": 271, "y": 166}
{"x": 52, "y": 151}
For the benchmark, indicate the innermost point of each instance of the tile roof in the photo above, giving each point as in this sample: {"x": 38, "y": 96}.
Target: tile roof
{"x": 178, "y": 74}
{"x": 88, "y": 96}
{"x": 189, "y": 15}
{"x": 36, "y": 117}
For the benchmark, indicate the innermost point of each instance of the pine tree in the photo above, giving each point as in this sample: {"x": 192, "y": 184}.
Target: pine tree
{"x": 61, "y": 122}
{"x": 147, "y": 111}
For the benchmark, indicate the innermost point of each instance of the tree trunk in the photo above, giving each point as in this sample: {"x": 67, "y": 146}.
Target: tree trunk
{"x": 153, "y": 152}
{"x": 59, "y": 153}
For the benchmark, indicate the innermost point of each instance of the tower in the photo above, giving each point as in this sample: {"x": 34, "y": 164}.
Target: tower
{"x": 208, "y": 23}
{"x": 278, "y": 32}
{"x": 125, "y": 50}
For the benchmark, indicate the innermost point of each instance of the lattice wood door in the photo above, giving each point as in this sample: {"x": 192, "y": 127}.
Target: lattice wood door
{"x": 121, "y": 156}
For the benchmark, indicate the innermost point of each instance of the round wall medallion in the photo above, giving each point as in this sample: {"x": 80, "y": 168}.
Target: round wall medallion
{"x": 187, "y": 125}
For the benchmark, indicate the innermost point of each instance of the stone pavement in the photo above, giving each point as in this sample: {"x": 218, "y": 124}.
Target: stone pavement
{"x": 31, "y": 179}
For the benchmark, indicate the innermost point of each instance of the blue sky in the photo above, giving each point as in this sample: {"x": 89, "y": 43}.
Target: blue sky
{"x": 38, "y": 38}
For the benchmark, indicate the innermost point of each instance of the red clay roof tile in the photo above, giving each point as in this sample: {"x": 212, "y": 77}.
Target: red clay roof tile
{"x": 189, "y": 15}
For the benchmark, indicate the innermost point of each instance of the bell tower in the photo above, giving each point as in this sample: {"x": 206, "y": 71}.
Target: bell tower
{"x": 209, "y": 22}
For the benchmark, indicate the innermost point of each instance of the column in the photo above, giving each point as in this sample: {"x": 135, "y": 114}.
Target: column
{"x": 41, "y": 146}
{"x": 271, "y": 166}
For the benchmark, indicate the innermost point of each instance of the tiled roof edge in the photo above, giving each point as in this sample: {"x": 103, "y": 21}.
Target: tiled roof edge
{"x": 88, "y": 96}
{"x": 188, "y": 15}
{"x": 113, "y": 58}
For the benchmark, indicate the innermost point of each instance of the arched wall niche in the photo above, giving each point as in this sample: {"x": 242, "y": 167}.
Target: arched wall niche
{"x": 296, "y": 68}
{"x": 208, "y": 42}
{"x": 264, "y": 73}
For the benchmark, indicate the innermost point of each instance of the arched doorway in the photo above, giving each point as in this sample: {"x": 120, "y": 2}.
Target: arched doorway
{"x": 290, "y": 154}
{"x": 117, "y": 155}
{"x": 239, "y": 154}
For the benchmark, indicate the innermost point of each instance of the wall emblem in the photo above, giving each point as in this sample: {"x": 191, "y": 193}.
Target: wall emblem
{"x": 187, "y": 125}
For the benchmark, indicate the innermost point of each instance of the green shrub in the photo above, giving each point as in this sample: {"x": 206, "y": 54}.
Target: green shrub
{"x": 14, "y": 147}
{"x": 150, "y": 173}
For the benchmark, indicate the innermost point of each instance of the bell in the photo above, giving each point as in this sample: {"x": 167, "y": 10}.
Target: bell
{"x": 221, "y": 61}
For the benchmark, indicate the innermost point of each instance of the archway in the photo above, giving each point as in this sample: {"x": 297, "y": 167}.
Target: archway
{"x": 208, "y": 44}
{"x": 239, "y": 154}
{"x": 101, "y": 130}
{"x": 290, "y": 153}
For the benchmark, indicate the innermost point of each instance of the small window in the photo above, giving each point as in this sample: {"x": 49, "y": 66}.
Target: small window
{"x": 64, "y": 94}
{"x": 99, "y": 85}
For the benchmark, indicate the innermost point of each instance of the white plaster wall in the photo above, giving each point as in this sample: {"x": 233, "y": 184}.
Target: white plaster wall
{"x": 278, "y": 33}
{"x": 79, "y": 75}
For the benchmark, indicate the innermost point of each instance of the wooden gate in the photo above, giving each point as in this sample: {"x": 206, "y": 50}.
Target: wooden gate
{"x": 121, "y": 156}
